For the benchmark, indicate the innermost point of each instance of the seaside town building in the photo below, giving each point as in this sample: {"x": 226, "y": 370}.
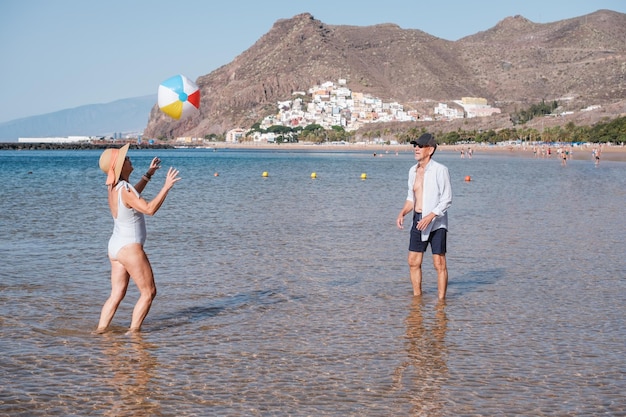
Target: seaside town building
{"x": 476, "y": 107}
{"x": 448, "y": 113}
{"x": 82, "y": 139}
{"x": 471, "y": 107}
{"x": 66, "y": 139}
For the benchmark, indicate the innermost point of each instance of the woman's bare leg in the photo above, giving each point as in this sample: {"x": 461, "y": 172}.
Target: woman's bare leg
{"x": 138, "y": 266}
{"x": 119, "y": 284}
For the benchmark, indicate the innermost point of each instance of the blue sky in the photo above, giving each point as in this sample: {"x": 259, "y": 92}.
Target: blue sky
{"x": 60, "y": 54}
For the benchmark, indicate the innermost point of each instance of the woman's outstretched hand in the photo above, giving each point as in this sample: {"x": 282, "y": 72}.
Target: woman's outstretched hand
{"x": 154, "y": 165}
{"x": 171, "y": 178}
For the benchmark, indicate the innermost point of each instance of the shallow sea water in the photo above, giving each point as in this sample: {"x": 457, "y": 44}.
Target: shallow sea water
{"x": 290, "y": 296}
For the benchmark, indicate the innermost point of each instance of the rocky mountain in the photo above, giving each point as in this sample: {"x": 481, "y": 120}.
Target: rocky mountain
{"x": 582, "y": 59}
{"x": 121, "y": 116}
{"x": 579, "y": 61}
{"x": 513, "y": 64}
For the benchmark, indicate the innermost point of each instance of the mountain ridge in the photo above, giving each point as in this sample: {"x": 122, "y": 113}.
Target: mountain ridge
{"x": 105, "y": 119}
{"x": 513, "y": 64}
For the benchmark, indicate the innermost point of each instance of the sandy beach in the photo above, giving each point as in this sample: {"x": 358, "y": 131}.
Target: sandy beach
{"x": 609, "y": 153}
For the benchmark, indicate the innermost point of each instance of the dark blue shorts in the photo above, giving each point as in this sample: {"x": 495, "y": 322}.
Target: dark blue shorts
{"x": 437, "y": 238}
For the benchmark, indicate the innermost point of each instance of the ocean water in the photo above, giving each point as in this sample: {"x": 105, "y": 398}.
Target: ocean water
{"x": 288, "y": 295}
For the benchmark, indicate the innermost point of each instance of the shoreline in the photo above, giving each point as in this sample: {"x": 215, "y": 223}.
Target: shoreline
{"x": 581, "y": 152}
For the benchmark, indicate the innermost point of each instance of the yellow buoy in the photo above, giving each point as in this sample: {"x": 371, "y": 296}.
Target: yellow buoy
{"x": 265, "y": 174}
{"x": 313, "y": 175}
{"x": 363, "y": 176}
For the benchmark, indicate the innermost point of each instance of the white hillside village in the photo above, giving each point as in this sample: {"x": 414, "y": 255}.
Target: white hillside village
{"x": 333, "y": 104}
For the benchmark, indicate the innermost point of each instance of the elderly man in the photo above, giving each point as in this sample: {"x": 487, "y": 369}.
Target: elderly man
{"x": 429, "y": 197}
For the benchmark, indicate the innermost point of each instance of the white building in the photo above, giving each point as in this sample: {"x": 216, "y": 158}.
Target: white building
{"x": 477, "y": 107}
{"x": 68, "y": 139}
{"x": 449, "y": 113}
{"x": 235, "y": 135}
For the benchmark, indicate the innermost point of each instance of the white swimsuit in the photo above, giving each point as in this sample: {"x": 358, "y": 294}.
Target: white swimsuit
{"x": 130, "y": 225}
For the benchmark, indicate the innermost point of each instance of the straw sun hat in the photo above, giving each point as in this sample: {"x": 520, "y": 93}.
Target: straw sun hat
{"x": 111, "y": 162}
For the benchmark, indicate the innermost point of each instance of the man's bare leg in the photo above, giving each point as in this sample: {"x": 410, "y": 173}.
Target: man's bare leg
{"x": 439, "y": 261}
{"x": 415, "y": 271}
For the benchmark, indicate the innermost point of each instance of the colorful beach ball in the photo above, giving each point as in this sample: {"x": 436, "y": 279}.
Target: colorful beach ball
{"x": 179, "y": 97}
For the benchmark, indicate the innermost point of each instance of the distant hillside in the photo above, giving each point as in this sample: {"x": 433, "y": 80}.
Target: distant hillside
{"x": 514, "y": 64}
{"x": 127, "y": 115}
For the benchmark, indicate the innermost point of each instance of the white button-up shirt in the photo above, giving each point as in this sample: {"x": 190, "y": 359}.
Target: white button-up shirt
{"x": 437, "y": 195}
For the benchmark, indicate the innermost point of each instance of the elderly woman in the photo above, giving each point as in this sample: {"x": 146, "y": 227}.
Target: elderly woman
{"x": 126, "y": 253}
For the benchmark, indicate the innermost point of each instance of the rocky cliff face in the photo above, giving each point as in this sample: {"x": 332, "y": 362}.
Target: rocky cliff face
{"x": 515, "y": 63}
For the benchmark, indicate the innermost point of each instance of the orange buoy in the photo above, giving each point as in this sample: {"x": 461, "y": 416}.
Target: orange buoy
{"x": 468, "y": 178}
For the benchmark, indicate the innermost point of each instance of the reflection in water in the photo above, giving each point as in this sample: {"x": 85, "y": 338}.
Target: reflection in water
{"x": 132, "y": 368}
{"x": 425, "y": 371}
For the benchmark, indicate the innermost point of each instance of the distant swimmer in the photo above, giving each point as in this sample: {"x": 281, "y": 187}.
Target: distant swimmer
{"x": 429, "y": 197}
{"x": 126, "y": 253}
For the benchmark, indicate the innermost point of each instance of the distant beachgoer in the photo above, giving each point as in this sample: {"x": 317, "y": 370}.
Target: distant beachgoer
{"x": 126, "y": 253}
{"x": 469, "y": 152}
{"x": 563, "y": 157}
{"x": 429, "y": 198}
